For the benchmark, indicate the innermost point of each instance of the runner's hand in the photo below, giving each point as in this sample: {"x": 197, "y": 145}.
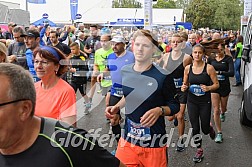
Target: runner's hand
{"x": 184, "y": 87}
{"x": 205, "y": 88}
{"x": 110, "y": 111}
{"x": 150, "y": 117}
{"x": 100, "y": 77}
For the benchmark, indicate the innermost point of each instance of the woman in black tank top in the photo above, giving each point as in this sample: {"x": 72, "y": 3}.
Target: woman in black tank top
{"x": 197, "y": 78}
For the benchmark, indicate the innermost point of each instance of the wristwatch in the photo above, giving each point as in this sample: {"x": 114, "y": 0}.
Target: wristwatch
{"x": 163, "y": 111}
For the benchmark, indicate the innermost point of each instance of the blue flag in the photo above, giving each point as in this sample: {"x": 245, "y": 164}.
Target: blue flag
{"x": 37, "y": 1}
{"x": 73, "y": 8}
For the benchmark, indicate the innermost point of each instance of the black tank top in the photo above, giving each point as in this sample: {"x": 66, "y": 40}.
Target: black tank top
{"x": 176, "y": 69}
{"x": 195, "y": 80}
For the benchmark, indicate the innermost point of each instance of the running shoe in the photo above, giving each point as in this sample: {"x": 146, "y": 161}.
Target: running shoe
{"x": 198, "y": 156}
{"x": 222, "y": 117}
{"x": 218, "y": 138}
{"x": 212, "y": 132}
{"x": 87, "y": 108}
{"x": 180, "y": 148}
{"x": 175, "y": 122}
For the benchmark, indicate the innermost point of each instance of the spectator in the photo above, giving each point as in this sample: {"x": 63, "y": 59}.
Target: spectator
{"x": 16, "y": 50}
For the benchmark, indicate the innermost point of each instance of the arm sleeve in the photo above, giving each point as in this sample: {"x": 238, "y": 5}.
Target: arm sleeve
{"x": 230, "y": 72}
{"x": 169, "y": 93}
{"x": 64, "y": 37}
{"x": 42, "y": 33}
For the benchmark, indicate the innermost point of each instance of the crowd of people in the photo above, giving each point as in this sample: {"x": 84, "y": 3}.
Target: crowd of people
{"x": 154, "y": 74}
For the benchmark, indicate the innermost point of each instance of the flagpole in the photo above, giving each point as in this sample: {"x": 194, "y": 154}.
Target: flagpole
{"x": 26, "y": 5}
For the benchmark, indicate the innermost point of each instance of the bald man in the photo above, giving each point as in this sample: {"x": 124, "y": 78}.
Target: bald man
{"x": 216, "y": 35}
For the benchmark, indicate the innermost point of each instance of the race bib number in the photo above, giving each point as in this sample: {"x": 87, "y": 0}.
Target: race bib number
{"x": 35, "y": 78}
{"x": 137, "y": 131}
{"x": 178, "y": 82}
{"x": 196, "y": 90}
{"x": 118, "y": 92}
{"x": 220, "y": 77}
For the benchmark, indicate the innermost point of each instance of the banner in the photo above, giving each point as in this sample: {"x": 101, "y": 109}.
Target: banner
{"x": 73, "y": 8}
{"x": 37, "y": 1}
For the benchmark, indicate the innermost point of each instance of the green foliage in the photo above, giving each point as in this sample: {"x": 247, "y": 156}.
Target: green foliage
{"x": 126, "y": 4}
{"x": 182, "y": 4}
{"x": 165, "y": 4}
{"x": 218, "y": 14}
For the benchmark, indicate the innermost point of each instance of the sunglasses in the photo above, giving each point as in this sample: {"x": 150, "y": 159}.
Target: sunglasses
{"x": 14, "y": 101}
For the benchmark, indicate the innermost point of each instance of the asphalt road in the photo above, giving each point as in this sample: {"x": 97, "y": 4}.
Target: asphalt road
{"x": 235, "y": 151}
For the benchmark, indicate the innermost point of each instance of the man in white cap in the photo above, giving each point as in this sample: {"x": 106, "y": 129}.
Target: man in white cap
{"x": 116, "y": 61}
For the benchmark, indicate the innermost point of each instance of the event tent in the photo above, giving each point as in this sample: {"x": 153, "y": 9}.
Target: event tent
{"x": 42, "y": 21}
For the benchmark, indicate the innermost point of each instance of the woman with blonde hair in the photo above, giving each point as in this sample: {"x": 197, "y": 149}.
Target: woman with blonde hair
{"x": 3, "y": 53}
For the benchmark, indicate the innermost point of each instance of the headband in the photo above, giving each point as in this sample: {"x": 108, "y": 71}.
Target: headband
{"x": 52, "y": 51}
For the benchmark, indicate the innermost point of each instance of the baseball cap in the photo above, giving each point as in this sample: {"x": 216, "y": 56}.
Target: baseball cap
{"x": 118, "y": 39}
{"x": 105, "y": 31}
{"x": 31, "y": 33}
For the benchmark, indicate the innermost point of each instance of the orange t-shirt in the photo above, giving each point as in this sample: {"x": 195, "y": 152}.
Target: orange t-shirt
{"x": 57, "y": 102}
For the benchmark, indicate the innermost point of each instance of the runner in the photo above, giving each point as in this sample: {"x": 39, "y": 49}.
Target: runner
{"x": 79, "y": 70}
{"x": 100, "y": 63}
{"x": 148, "y": 96}
{"x": 197, "y": 79}
{"x": 223, "y": 64}
{"x": 116, "y": 61}
{"x": 27, "y": 140}
{"x": 53, "y": 94}
{"x": 174, "y": 63}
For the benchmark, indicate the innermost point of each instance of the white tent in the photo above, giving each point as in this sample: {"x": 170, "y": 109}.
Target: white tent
{"x": 107, "y": 15}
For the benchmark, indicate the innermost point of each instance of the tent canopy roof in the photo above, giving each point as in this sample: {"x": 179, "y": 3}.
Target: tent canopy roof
{"x": 42, "y": 21}
{"x": 107, "y": 15}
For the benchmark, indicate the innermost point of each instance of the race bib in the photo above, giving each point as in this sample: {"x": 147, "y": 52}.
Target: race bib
{"x": 137, "y": 131}
{"x": 220, "y": 77}
{"x": 106, "y": 82}
{"x": 117, "y": 92}
{"x": 196, "y": 90}
{"x": 178, "y": 82}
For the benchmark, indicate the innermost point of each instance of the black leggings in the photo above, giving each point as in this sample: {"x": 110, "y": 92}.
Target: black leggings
{"x": 116, "y": 129}
{"x": 200, "y": 111}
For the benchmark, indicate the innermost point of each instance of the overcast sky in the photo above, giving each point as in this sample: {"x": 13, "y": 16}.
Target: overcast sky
{"x": 59, "y": 10}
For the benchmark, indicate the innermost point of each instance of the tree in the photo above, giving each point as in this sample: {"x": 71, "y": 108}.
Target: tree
{"x": 126, "y": 4}
{"x": 218, "y": 14}
{"x": 199, "y": 13}
{"x": 182, "y": 4}
{"x": 228, "y": 14}
{"x": 165, "y": 4}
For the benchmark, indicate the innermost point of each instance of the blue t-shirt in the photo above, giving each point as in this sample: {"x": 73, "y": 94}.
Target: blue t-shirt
{"x": 30, "y": 64}
{"x": 114, "y": 65}
{"x": 143, "y": 92}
